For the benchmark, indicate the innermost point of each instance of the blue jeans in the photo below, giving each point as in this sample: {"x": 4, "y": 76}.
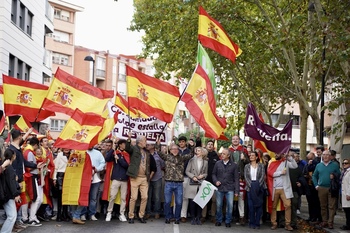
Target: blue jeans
{"x": 255, "y": 212}
{"x": 81, "y": 210}
{"x": 11, "y": 213}
{"x": 169, "y": 189}
{"x": 229, "y": 205}
{"x": 154, "y": 190}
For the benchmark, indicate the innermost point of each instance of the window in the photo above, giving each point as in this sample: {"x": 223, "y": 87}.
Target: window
{"x": 122, "y": 72}
{"x": 57, "y": 125}
{"x": 60, "y": 36}
{"x": 61, "y": 14}
{"x": 21, "y": 16}
{"x": 285, "y": 119}
{"x": 61, "y": 59}
{"x": 18, "y": 69}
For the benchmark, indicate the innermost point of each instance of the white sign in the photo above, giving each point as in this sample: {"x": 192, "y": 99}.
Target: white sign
{"x": 205, "y": 193}
{"x": 150, "y": 127}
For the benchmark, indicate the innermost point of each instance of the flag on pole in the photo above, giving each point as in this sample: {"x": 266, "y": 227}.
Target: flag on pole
{"x": 79, "y": 131}
{"x": 151, "y": 96}
{"x": 108, "y": 126}
{"x": 205, "y": 192}
{"x": 66, "y": 93}
{"x": 23, "y": 125}
{"x": 204, "y": 60}
{"x": 123, "y": 104}
{"x": 212, "y": 35}
{"x": 77, "y": 179}
{"x": 200, "y": 101}
{"x": 25, "y": 98}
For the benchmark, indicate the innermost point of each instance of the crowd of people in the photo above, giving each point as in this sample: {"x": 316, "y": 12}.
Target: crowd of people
{"x": 153, "y": 181}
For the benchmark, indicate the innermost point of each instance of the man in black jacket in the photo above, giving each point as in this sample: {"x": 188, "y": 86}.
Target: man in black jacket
{"x": 226, "y": 179}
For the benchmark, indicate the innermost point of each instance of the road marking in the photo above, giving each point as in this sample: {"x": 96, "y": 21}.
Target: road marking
{"x": 176, "y": 228}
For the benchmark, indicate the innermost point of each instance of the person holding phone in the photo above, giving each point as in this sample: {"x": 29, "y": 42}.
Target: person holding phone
{"x": 10, "y": 193}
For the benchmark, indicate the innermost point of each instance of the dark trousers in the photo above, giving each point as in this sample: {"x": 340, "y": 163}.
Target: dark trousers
{"x": 196, "y": 210}
{"x": 314, "y": 204}
{"x": 347, "y": 216}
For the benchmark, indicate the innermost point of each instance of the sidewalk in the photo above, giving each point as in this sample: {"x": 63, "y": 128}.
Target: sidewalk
{"x": 339, "y": 219}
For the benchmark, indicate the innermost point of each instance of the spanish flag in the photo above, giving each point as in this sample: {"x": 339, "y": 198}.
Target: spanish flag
{"x": 108, "y": 126}
{"x": 151, "y": 96}
{"x": 23, "y": 125}
{"x": 212, "y": 35}
{"x": 2, "y": 121}
{"x": 2, "y": 96}
{"x": 79, "y": 131}
{"x": 123, "y": 104}
{"x": 25, "y": 98}
{"x": 77, "y": 179}
{"x": 261, "y": 145}
{"x": 200, "y": 101}
{"x": 272, "y": 167}
{"x": 67, "y": 93}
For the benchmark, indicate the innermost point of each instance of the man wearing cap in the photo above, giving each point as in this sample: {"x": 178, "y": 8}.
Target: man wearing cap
{"x": 117, "y": 166}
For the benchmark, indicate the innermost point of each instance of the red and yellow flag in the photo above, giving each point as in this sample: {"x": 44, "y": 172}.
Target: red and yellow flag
{"x": 23, "y": 125}
{"x": 67, "y": 93}
{"x": 200, "y": 101}
{"x": 108, "y": 126}
{"x": 79, "y": 131}
{"x": 25, "y": 98}
{"x": 123, "y": 104}
{"x": 151, "y": 96}
{"x": 77, "y": 179}
{"x": 212, "y": 35}
{"x": 261, "y": 145}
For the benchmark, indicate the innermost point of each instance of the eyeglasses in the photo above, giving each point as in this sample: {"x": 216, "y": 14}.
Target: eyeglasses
{"x": 345, "y": 163}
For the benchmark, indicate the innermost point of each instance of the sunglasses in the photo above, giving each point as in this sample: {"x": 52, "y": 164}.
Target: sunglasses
{"x": 345, "y": 163}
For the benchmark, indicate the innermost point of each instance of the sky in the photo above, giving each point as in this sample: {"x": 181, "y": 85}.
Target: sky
{"x": 103, "y": 26}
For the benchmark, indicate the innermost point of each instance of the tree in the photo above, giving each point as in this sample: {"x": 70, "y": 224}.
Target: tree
{"x": 283, "y": 43}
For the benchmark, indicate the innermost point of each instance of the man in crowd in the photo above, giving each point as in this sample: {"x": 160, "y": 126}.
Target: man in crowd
{"x": 141, "y": 169}
{"x": 226, "y": 179}
{"x": 155, "y": 185}
{"x": 174, "y": 177}
{"x": 279, "y": 181}
{"x": 239, "y": 155}
{"x": 117, "y": 166}
{"x": 325, "y": 171}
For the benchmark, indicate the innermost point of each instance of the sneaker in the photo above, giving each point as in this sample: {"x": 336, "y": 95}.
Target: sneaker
{"x": 93, "y": 218}
{"x": 108, "y": 217}
{"x": 298, "y": 212}
{"x": 23, "y": 221}
{"x": 122, "y": 218}
{"x": 54, "y": 218}
{"x": 34, "y": 223}
{"x": 83, "y": 218}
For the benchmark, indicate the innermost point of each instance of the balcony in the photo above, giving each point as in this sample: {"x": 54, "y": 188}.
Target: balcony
{"x": 100, "y": 74}
{"x": 47, "y": 61}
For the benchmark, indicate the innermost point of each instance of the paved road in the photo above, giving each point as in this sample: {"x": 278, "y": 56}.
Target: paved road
{"x": 152, "y": 226}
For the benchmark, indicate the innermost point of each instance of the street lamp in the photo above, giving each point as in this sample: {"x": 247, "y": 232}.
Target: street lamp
{"x": 312, "y": 9}
{"x": 89, "y": 58}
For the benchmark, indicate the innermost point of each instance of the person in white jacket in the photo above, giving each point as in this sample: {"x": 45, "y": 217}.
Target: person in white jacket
{"x": 345, "y": 192}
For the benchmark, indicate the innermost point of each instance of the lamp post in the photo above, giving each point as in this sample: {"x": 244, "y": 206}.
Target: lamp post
{"x": 89, "y": 58}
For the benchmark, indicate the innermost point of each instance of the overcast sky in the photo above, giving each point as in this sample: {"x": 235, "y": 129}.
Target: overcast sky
{"x": 103, "y": 26}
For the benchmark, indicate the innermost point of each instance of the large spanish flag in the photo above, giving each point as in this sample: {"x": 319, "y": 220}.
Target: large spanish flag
{"x": 67, "y": 93}
{"x": 200, "y": 101}
{"x": 212, "y": 35}
{"x": 272, "y": 167}
{"x": 123, "y": 104}
{"x": 23, "y": 125}
{"x": 151, "y": 96}
{"x": 79, "y": 131}
{"x": 25, "y": 98}
{"x": 77, "y": 179}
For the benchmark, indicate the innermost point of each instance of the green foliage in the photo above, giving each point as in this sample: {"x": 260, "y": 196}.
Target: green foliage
{"x": 282, "y": 42}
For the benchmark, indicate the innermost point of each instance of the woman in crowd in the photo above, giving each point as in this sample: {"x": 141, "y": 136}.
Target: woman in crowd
{"x": 60, "y": 168}
{"x": 345, "y": 192}
{"x": 197, "y": 170}
{"x": 10, "y": 192}
{"x": 254, "y": 174}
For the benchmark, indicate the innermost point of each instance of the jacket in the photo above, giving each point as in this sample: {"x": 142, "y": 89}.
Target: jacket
{"x": 18, "y": 163}
{"x": 227, "y": 175}
{"x": 120, "y": 166}
{"x": 135, "y": 160}
{"x": 193, "y": 171}
{"x": 345, "y": 188}
{"x": 260, "y": 176}
{"x": 9, "y": 187}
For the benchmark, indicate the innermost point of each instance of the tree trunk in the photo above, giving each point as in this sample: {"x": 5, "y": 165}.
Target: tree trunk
{"x": 303, "y": 130}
